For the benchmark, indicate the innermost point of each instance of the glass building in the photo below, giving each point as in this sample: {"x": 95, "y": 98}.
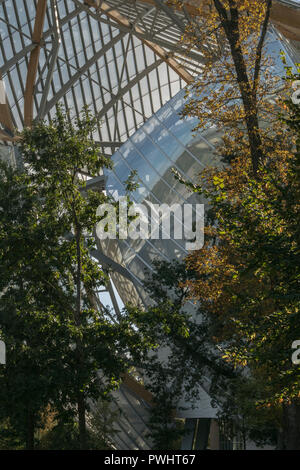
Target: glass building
{"x": 164, "y": 144}
{"x": 125, "y": 60}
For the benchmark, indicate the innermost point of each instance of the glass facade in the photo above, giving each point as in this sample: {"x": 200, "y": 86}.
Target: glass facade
{"x": 165, "y": 142}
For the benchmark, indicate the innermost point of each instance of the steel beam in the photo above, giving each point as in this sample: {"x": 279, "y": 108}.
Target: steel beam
{"x": 285, "y": 14}
{"x": 17, "y": 57}
{"x": 79, "y": 73}
{"x": 126, "y": 88}
{"x": 191, "y": 7}
{"x": 110, "y": 263}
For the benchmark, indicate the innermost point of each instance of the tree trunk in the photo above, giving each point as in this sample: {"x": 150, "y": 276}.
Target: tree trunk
{"x": 30, "y": 431}
{"x": 230, "y": 25}
{"x": 80, "y": 361}
{"x": 291, "y": 426}
{"x": 82, "y": 421}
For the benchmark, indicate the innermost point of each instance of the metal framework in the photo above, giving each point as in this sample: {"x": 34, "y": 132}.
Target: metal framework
{"x": 121, "y": 58}
{"x": 124, "y": 58}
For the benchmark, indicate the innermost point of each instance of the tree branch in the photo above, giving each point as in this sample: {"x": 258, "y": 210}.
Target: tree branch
{"x": 264, "y": 30}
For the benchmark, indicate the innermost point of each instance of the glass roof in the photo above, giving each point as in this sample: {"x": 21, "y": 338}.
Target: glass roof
{"x": 87, "y": 57}
{"x": 124, "y": 59}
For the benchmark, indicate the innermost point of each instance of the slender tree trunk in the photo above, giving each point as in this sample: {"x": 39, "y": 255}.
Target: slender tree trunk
{"x": 81, "y": 408}
{"x": 249, "y": 101}
{"x": 230, "y": 25}
{"x": 244, "y": 436}
{"x": 82, "y": 421}
{"x": 30, "y": 431}
{"x": 280, "y": 445}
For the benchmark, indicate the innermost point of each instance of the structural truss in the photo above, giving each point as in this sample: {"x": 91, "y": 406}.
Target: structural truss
{"x": 124, "y": 59}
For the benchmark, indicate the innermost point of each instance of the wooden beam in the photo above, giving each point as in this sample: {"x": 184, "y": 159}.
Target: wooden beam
{"x": 287, "y": 20}
{"x": 34, "y": 61}
{"x": 4, "y": 137}
{"x": 286, "y": 17}
{"x": 7, "y": 138}
{"x": 159, "y": 51}
{"x": 192, "y": 7}
{"x": 5, "y": 114}
{"x": 137, "y": 389}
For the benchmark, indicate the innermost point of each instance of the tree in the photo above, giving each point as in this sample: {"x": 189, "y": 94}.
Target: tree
{"x": 237, "y": 90}
{"x": 64, "y": 348}
{"x": 57, "y": 154}
{"x": 238, "y": 279}
{"x": 252, "y": 205}
{"x": 61, "y": 433}
{"x": 185, "y": 356}
{"x": 248, "y": 272}
{"x": 181, "y": 355}
{"x": 34, "y": 331}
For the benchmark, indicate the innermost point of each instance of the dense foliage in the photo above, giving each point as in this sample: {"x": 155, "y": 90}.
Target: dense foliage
{"x": 61, "y": 348}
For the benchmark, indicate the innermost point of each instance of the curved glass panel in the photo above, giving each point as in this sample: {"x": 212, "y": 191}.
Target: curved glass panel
{"x": 165, "y": 142}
